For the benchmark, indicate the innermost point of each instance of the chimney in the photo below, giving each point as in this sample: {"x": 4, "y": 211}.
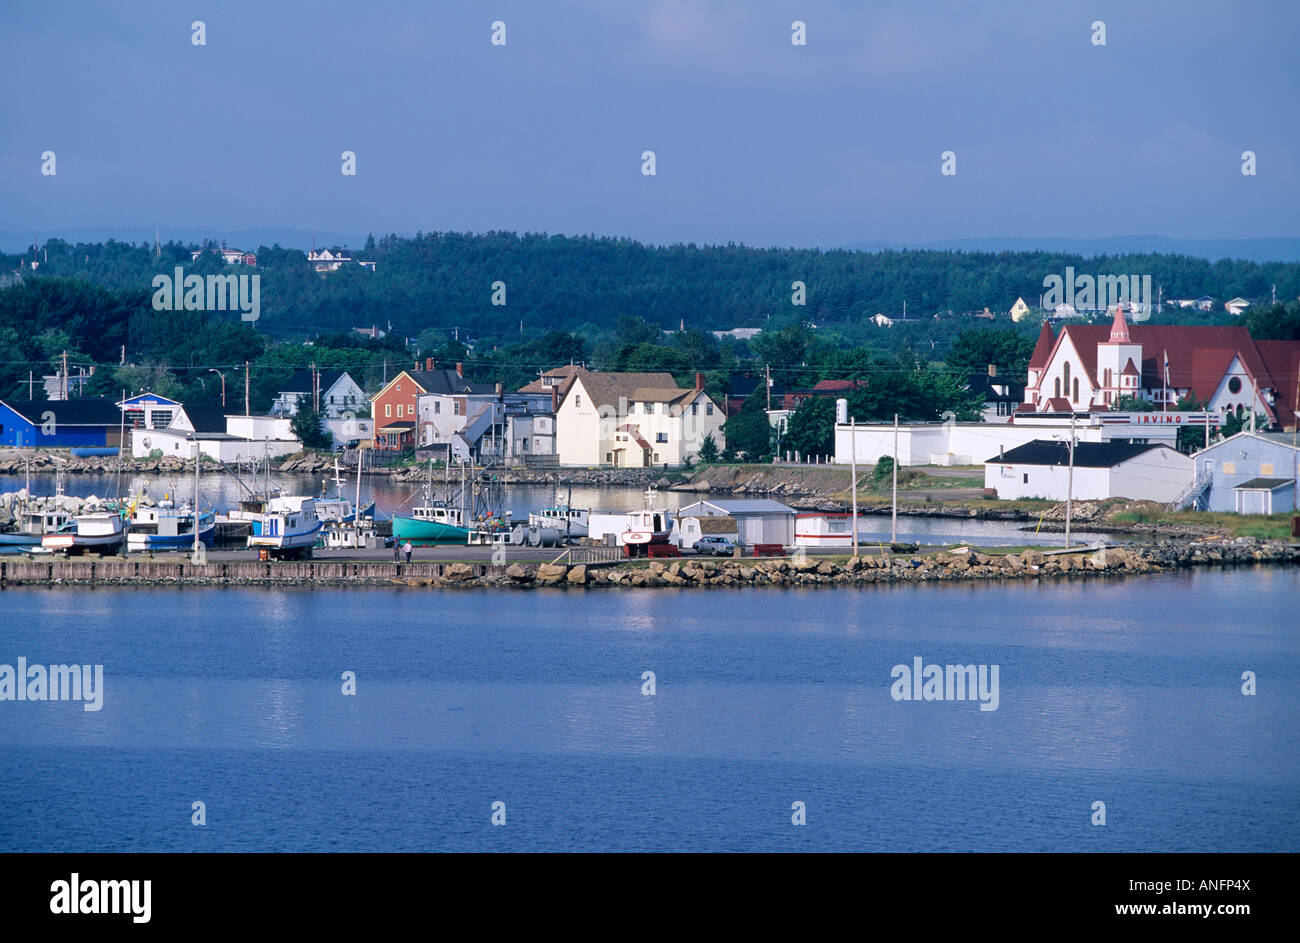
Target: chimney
{"x": 555, "y": 398}
{"x": 428, "y": 363}
{"x": 993, "y": 369}
{"x": 699, "y": 381}
{"x": 460, "y": 370}
{"x": 499, "y": 396}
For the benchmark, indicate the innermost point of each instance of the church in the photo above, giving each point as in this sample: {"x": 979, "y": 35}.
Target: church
{"x": 1091, "y": 367}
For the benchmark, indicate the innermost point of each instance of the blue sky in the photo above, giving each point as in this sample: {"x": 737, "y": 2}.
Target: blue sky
{"x": 757, "y": 141}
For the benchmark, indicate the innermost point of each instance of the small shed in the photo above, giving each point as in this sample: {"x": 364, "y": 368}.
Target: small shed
{"x": 1265, "y": 495}
{"x": 687, "y": 530}
{"x": 758, "y": 520}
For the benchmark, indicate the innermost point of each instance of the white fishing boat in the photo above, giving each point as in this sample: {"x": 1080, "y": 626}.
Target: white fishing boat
{"x": 563, "y": 517}
{"x": 284, "y": 525}
{"x": 648, "y": 531}
{"x": 98, "y": 531}
{"x": 168, "y": 528}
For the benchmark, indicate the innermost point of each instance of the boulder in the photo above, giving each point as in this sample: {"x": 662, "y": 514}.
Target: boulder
{"x": 548, "y": 574}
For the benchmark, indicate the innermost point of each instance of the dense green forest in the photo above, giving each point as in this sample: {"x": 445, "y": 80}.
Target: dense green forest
{"x": 611, "y": 304}
{"x": 583, "y": 284}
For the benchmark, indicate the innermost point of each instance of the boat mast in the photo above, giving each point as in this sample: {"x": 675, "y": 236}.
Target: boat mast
{"x": 197, "y": 463}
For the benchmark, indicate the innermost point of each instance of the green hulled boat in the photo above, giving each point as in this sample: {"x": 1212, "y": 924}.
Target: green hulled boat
{"x": 430, "y": 524}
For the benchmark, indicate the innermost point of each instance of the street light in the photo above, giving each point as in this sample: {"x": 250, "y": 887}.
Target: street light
{"x": 1069, "y": 485}
{"x": 223, "y": 384}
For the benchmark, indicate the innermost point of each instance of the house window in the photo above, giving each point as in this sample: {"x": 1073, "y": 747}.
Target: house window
{"x": 577, "y": 400}
{"x": 656, "y": 461}
{"x": 1065, "y": 372}
{"x": 1230, "y": 468}
{"x": 1107, "y": 380}
{"x": 399, "y": 387}
{"x": 661, "y": 437}
{"x": 1058, "y": 388}
{"x": 388, "y": 410}
{"x": 1026, "y": 477}
{"x": 1076, "y": 390}
{"x": 437, "y": 408}
{"x": 708, "y": 408}
{"x": 695, "y": 409}
{"x": 648, "y": 408}
{"x": 1266, "y": 469}
{"x": 609, "y": 457}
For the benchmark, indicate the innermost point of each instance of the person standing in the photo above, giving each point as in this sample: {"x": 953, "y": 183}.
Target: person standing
{"x": 397, "y": 550}
{"x": 407, "y": 548}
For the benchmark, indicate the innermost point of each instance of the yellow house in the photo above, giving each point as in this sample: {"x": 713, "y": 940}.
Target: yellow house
{"x": 1020, "y": 309}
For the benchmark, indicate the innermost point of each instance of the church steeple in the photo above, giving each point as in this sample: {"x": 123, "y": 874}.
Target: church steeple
{"x": 1119, "y": 329}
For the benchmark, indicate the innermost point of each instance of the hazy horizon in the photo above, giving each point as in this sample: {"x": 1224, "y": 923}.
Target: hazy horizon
{"x": 837, "y": 143}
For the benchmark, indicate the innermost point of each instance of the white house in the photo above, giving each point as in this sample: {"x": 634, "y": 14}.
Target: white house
{"x": 218, "y": 436}
{"x": 633, "y": 420}
{"x": 480, "y": 425}
{"x": 1041, "y": 469}
{"x": 149, "y": 411}
{"x": 338, "y": 392}
{"x": 1236, "y": 306}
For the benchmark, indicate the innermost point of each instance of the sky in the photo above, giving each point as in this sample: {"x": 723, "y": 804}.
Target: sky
{"x": 756, "y": 140}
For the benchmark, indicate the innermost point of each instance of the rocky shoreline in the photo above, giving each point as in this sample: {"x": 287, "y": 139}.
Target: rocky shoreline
{"x": 800, "y": 570}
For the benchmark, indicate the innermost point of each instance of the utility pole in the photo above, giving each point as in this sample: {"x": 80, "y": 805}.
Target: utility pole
{"x": 247, "y": 411}
{"x": 853, "y": 462}
{"x": 65, "y": 375}
{"x": 767, "y": 382}
{"x": 123, "y": 361}
{"x": 1069, "y": 486}
{"x": 893, "y": 514}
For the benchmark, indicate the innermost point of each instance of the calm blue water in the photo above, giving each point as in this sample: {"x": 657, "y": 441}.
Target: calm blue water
{"x": 1127, "y": 692}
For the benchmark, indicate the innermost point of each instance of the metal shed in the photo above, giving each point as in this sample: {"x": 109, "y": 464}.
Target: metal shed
{"x": 758, "y": 520}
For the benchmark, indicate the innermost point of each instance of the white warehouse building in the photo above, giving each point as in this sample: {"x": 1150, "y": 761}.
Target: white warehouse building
{"x": 1041, "y": 469}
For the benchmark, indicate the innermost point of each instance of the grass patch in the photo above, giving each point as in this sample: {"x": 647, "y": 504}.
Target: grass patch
{"x": 1238, "y": 525}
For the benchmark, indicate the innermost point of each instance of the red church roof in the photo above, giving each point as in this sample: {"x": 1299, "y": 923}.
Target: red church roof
{"x": 1043, "y": 349}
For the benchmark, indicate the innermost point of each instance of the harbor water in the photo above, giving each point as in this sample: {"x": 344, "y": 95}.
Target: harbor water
{"x": 1126, "y": 692}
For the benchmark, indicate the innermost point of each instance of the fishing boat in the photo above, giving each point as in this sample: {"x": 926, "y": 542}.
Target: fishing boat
{"x": 562, "y": 516}
{"x": 338, "y": 509}
{"x": 430, "y": 523}
{"x": 434, "y": 521}
{"x": 168, "y": 528}
{"x": 283, "y": 525}
{"x": 33, "y": 524}
{"x": 648, "y": 531}
{"x": 98, "y": 531}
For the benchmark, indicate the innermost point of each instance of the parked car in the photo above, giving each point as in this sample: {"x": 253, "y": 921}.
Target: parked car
{"x": 716, "y": 546}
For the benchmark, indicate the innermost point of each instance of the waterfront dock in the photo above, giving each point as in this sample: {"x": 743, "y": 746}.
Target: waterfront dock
{"x": 522, "y": 572}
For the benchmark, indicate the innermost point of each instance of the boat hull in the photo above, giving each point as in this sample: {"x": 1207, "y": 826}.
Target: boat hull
{"x": 427, "y": 532}
{"x": 207, "y": 536}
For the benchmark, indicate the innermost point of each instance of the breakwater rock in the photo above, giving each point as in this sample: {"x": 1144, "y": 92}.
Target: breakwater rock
{"x": 798, "y": 570}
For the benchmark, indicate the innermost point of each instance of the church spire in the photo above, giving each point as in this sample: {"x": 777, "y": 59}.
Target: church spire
{"x": 1119, "y": 329}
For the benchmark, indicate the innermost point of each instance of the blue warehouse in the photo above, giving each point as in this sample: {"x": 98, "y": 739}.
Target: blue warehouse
{"x": 1249, "y": 473}
{"x": 60, "y": 423}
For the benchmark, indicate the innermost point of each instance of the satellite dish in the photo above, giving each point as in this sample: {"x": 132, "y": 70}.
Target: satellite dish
{"x": 145, "y": 442}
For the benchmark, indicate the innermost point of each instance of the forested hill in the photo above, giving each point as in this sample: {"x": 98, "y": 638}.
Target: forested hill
{"x": 583, "y": 284}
